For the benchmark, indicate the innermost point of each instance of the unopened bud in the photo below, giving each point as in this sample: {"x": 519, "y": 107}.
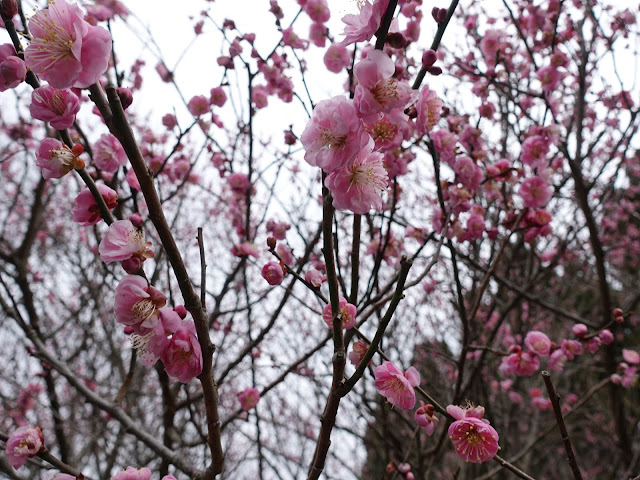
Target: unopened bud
{"x": 429, "y": 57}
{"x": 619, "y": 319}
{"x": 136, "y": 220}
{"x": 131, "y": 265}
{"x": 9, "y": 8}
{"x": 396, "y": 40}
{"x": 271, "y": 243}
{"x": 181, "y": 311}
{"x": 77, "y": 150}
{"x": 390, "y": 468}
{"x": 435, "y": 71}
{"x": 126, "y": 97}
{"x": 439, "y": 14}
{"x": 617, "y": 312}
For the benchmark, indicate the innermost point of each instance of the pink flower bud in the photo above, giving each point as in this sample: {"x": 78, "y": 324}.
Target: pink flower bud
{"x": 435, "y": 71}
{"x": 131, "y": 265}
{"x": 397, "y": 40}
{"x": 606, "y": 336}
{"x": 439, "y": 14}
{"x": 273, "y": 273}
{"x": 136, "y": 220}
{"x": 9, "y": 8}
{"x": 429, "y": 57}
{"x": 617, "y": 312}
{"x": 126, "y": 97}
{"x": 580, "y": 330}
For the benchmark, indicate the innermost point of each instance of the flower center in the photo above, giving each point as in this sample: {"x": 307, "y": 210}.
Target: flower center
{"x": 331, "y": 140}
{"x": 385, "y": 91}
{"x": 143, "y": 309}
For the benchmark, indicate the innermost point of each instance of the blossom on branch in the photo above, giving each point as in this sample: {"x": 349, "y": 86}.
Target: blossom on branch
{"x": 58, "y": 107}
{"x": 397, "y": 386}
{"x": 23, "y": 443}
{"x": 474, "y": 439}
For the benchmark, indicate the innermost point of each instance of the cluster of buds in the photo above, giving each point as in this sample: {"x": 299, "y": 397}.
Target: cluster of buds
{"x": 429, "y": 58}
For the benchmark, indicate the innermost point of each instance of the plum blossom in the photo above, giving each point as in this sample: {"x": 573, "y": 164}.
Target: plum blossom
{"x": 347, "y": 312}
{"x": 425, "y": 417}
{"x": 336, "y": 58}
{"x": 429, "y": 107}
{"x": 182, "y": 356}
{"x": 56, "y": 159}
{"x": 108, "y": 154}
{"x": 631, "y": 356}
{"x": 23, "y": 443}
{"x": 358, "y": 350}
{"x": 58, "y": 107}
{"x": 248, "y": 398}
{"x": 361, "y": 27}
{"x": 376, "y": 90}
{"x": 318, "y": 10}
{"x": 520, "y": 363}
{"x": 535, "y": 192}
{"x": 473, "y": 438}
{"x": 133, "y": 474}
{"x": 13, "y": 71}
{"x": 397, "y": 386}
{"x": 334, "y": 135}
{"x": 85, "y": 208}
{"x": 538, "y": 343}
{"x": 136, "y": 303}
{"x": 273, "y": 273}
{"x": 315, "y": 278}
{"x": 357, "y": 186}
{"x": 122, "y": 242}
{"x": 65, "y": 50}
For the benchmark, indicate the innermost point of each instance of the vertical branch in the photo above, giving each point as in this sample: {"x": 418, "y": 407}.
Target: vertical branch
{"x": 571, "y": 458}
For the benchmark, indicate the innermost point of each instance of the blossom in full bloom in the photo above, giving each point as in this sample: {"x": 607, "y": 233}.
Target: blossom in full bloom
{"x": 473, "y": 438}
{"x": 133, "y": 474}
{"x": 182, "y": 356}
{"x": 248, "y": 398}
{"x": 122, "y": 242}
{"x": 361, "y": 27}
{"x": 347, "y": 312}
{"x": 334, "y": 135}
{"x": 357, "y": 186}
{"x": 376, "y": 90}
{"x": 336, "y": 58}
{"x": 13, "y": 71}
{"x": 56, "y": 159}
{"x": 397, "y": 386}
{"x": 358, "y": 351}
{"x": 538, "y": 343}
{"x": 535, "y": 192}
{"x": 108, "y": 154}
{"x": 429, "y": 107}
{"x": 65, "y": 50}
{"x": 58, "y": 107}
{"x": 136, "y": 303}
{"x": 85, "y": 207}
{"x": 23, "y": 443}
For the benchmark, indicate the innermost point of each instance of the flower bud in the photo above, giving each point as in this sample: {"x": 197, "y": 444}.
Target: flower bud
{"x": 439, "y": 14}
{"x": 617, "y": 312}
{"x": 131, "y": 265}
{"x": 126, "y": 97}
{"x": 429, "y": 57}
{"x": 271, "y": 242}
{"x": 396, "y": 40}
{"x": 136, "y": 220}
{"x": 435, "y": 71}
{"x": 9, "y": 8}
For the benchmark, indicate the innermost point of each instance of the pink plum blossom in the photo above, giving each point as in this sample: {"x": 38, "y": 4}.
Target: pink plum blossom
{"x": 108, "y": 154}
{"x": 23, "y": 443}
{"x": 520, "y": 363}
{"x": 557, "y": 360}
{"x": 182, "y": 356}
{"x": 534, "y": 151}
{"x": 136, "y": 303}
{"x": 58, "y": 107}
{"x": 361, "y": 27}
{"x": 357, "y": 187}
{"x": 13, "y": 70}
{"x": 580, "y": 330}
{"x": 133, "y": 474}
{"x": 538, "y": 343}
{"x": 318, "y": 10}
{"x": 358, "y": 350}
{"x": 387, "y": 129}
{"x": 122, "y": 242}
{"x": 56, "y": 159}
{"x": 198, "y": 105}
{"x": 376, "y": 90}
{"x": 248, "y": 398}
{"x": 571, "y": 348}
{"x": 347, "y": 312}
{"x": 473, "y": 438}
{"x": 425, "y": 417}
{"x": 217, "y": 97}
{"x": 336, "y": 58}
{"x": 245, "y": 249}
{"x": 315, "y": 278}
{"x": 318, "y": 34}
{"x": 631, "y": 356}
{"x": 65, "y": 50}
{"x": 606, "y": 336}
{"x": 334, "y": 135}
{"x": 535, "y": 192}
{"x": 429, "y": 107}
{"x": 397, "y": 386}
{"x": 85, "y": 208}
{"x": 273, "y": 273}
